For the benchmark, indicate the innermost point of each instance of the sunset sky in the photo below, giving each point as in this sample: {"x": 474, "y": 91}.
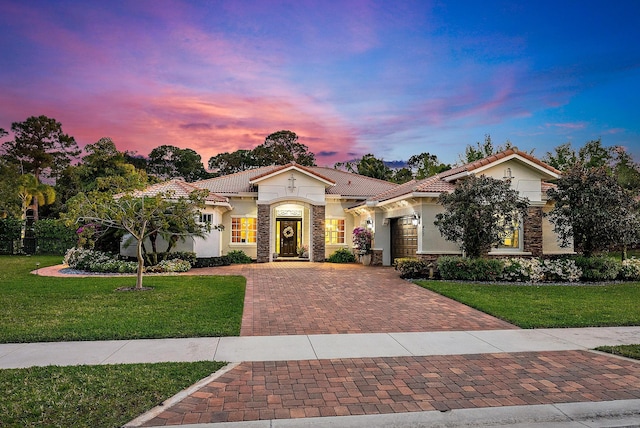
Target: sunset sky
{"x": 392, "y": 78}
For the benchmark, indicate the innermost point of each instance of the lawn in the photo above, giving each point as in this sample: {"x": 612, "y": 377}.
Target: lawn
{"x": 537, "y": 306}
{"x": 92, "y": 396}
{"x": 41, "y": 309}
{"x": 629, "y": 351}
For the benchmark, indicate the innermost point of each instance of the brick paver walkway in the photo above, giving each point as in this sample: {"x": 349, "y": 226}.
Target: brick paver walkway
{"x": 296, "y": 389}
{"x": 288, "y": 298}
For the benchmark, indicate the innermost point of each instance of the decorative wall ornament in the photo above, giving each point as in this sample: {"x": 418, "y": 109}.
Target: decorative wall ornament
{"x": 287, "y": 232}
{"x": 289, "y": 213}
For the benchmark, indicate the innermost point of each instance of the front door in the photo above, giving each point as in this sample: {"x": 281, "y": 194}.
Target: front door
{"x": 289, "y": 237}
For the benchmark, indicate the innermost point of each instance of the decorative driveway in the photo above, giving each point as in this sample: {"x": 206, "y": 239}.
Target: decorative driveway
{"x": 371, "y": 386}
{"x": 288, "y": 298}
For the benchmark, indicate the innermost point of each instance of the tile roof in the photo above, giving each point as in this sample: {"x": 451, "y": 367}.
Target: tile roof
{"x": 438, "y": 183}
{"x": 179, "y": 188}
{"x": 347, "y": 184}
{"x": 495, "y": 157}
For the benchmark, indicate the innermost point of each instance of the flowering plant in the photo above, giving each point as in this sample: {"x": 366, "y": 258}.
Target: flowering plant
{"x": 362, "y": 240}
{"x": 302, "y": 250}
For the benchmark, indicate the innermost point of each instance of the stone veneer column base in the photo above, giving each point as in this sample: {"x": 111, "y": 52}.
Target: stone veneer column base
{"x": 264, "y": 233}
{"x": 317, "y": 233}
{"x": 532, "y": 230}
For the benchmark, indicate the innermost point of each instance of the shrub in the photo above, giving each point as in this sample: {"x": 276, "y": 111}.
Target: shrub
{"x": 522, "y": 270}
{"x": 342, "y": 255}
{"x": 564, "y": 270}
{"x": 463, "y": 269}
{"x": 630, "y": 269}
{"x": 598, "y": 268}
{"x": 239, "y": 257}
{"x": 10, "y": 229}
{"x": 173, "y": 265}
{"x": 53, "y": 237}
{"x": 410, "y": 267}
{"x": 185, "y": 256}
{"x": 212, "y": 261}
{"x": 97, "y": 261}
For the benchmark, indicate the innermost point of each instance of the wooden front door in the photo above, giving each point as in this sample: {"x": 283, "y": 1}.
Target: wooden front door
{"x": 289, "y": 238}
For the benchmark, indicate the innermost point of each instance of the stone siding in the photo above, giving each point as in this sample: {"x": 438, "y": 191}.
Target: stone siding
{"x": 264, "y": 233}
{"x": 376, "y": 257}
{"x": 317, "y": 238}
{"x": 532, "y": 230}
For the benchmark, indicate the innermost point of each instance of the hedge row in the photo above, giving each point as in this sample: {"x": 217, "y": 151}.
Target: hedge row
{"x": 567, "y": 269}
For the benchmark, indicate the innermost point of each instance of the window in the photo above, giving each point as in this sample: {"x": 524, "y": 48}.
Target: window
{"x": 206, "y": 218}
{"x": 511, "y": 238}
{"x": 334, "y": 231}
{"x": 243, "y": 230}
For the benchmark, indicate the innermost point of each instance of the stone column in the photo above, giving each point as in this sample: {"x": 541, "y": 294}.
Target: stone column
{"x": 263, "y": 233}
{"x": 317, "y": 233}
{"x": 532, "y": 230}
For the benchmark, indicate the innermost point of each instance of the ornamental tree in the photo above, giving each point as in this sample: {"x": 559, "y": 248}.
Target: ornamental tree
{"x": 140, "y": 216}
{"x": 594, "y": 210}
{"x": 476, "y": 211}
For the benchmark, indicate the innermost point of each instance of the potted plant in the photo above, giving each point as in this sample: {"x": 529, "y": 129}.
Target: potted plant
{"x": 303, "y": 251}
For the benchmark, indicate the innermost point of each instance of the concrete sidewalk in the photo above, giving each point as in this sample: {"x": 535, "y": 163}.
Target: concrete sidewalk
{"x": 312, "y": 347}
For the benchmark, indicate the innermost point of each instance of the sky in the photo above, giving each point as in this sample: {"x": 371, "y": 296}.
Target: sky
{"x": 390, "y": 78}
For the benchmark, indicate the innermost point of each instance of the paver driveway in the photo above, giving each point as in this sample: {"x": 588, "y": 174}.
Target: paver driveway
{"x": 299, "y": 298}
{"x": 287, "y": 298}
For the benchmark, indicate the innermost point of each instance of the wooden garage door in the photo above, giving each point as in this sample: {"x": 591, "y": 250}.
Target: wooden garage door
{"x": 404, "y": 238}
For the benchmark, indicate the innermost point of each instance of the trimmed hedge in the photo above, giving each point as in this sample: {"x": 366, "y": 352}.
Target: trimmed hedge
{"x": 600, "y": 268}
{"x": 202, "y": 262}
{"x": 53, "y": 237}
{"x": 512, "y": 270}
{"x": 463, "y": 269}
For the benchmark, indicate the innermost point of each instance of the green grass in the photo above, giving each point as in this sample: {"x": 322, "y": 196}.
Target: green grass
{"x": 41, "y": 309}
{"x": 91, "y": 396}
{"x": 532, "y": 306}
{"x": 629, "y": 351}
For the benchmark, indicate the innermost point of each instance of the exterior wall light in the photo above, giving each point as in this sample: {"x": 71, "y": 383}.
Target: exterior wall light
{"x": 415, "y": 220}
{"x": 369, "y": 223}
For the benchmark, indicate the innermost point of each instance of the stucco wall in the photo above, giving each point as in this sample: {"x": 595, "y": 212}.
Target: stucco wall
{"x": 241, "y": 208}
{"x": 550, "y": 242}
{"x": 525, "y": 179}
{"x": 279, "y": 187}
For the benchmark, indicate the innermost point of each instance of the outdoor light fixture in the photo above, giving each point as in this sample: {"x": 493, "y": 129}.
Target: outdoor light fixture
{"x": 369, "y": 223}
{"x": 415, "y": 220}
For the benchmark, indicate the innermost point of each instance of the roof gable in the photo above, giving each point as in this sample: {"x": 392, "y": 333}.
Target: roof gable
{"x": 291, "y": 167}
{"x": 547, "y": 171}
{"x": 445, "y": 181}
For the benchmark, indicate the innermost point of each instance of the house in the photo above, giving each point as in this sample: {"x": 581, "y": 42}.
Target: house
{"x": 270, "y": 212}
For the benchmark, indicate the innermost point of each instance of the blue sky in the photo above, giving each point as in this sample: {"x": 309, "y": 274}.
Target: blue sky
{"x": 349, "y": 77}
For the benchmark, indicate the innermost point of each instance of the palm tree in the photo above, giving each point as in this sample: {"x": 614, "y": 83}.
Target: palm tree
{"x": 33, "y": 194}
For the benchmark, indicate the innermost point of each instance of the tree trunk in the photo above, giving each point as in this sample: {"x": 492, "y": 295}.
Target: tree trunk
{"x": 140, "y": 265}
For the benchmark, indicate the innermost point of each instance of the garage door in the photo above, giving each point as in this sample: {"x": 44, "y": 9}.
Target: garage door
{"x": 404, "y": 238}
